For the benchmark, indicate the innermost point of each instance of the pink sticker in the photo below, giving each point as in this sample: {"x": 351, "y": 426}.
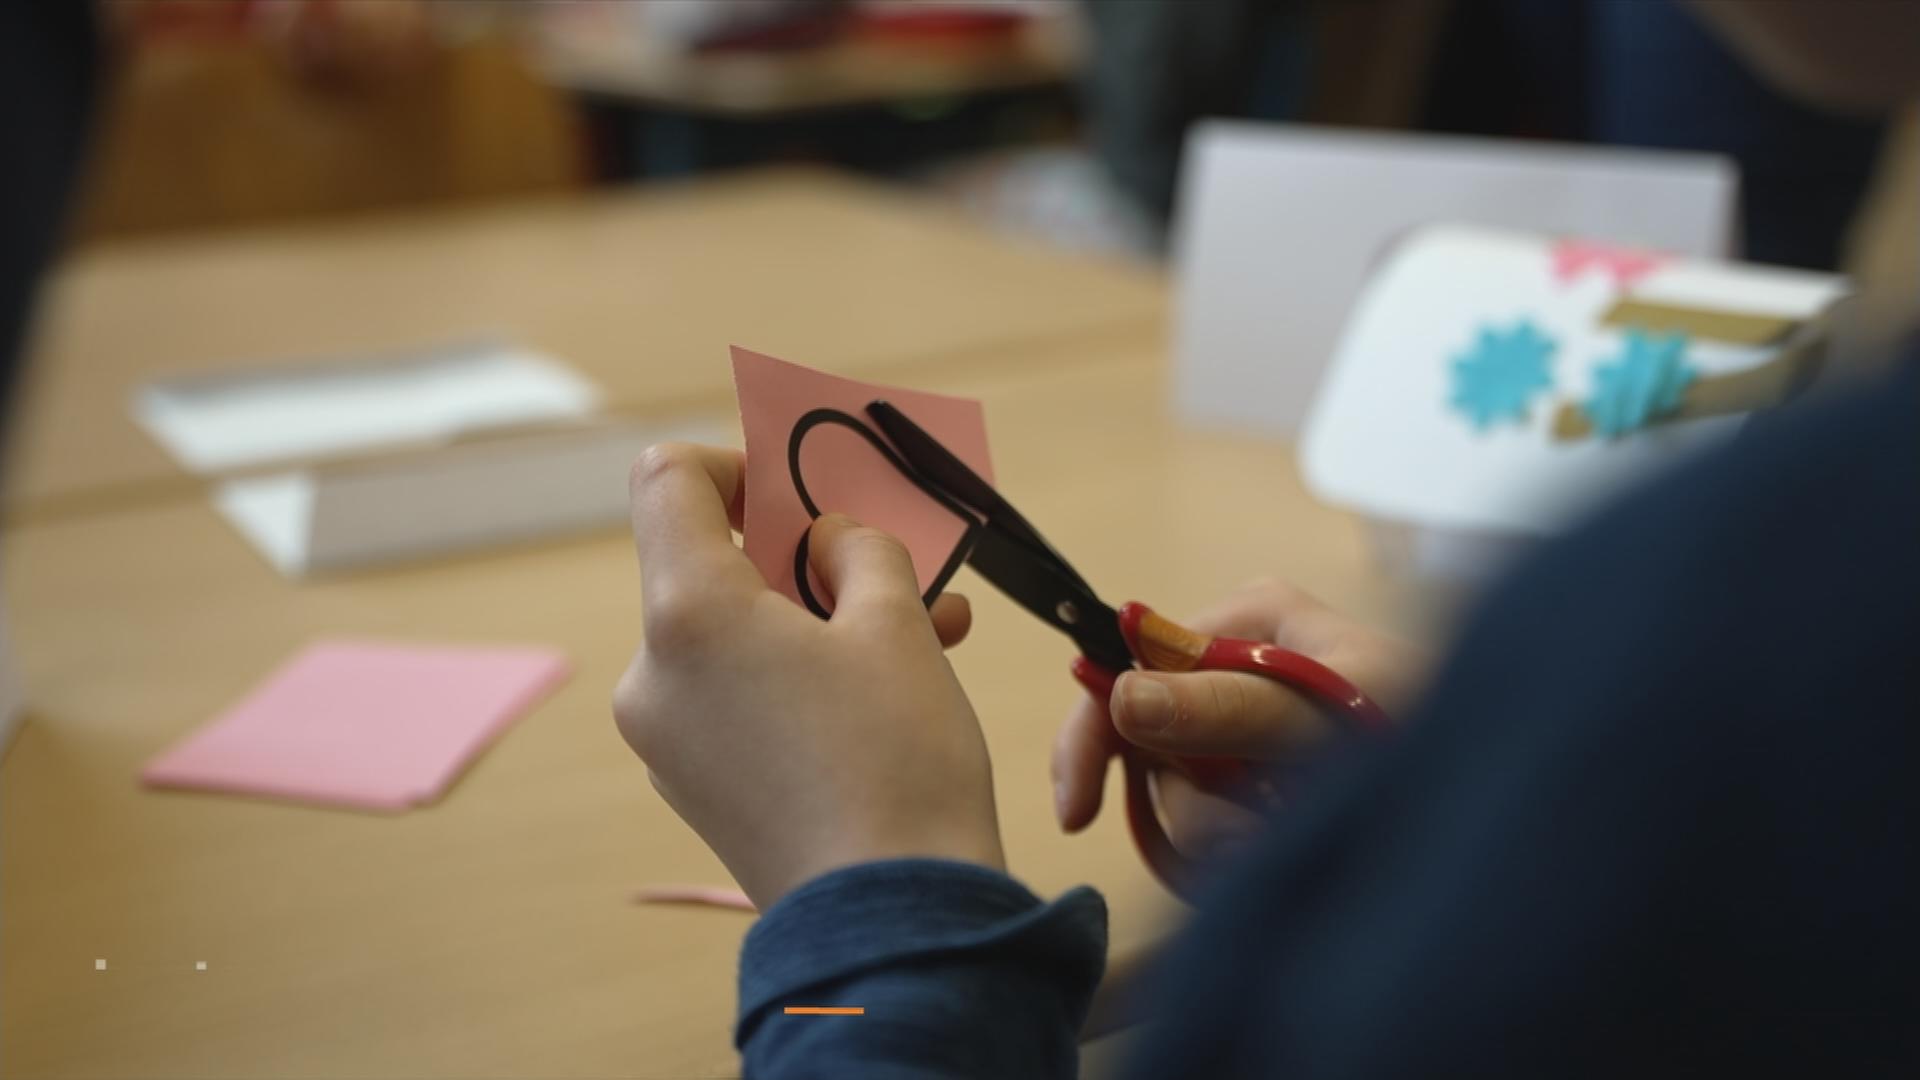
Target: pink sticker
{"x": 805, "y": 441}
{"x": 372, "y": 726}
{"x": 1573, "y": 257}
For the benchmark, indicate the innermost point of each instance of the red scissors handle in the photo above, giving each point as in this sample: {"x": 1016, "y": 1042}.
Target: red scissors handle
{"x": 1160, "y": 644}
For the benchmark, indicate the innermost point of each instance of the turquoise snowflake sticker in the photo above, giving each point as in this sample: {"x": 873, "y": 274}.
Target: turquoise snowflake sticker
{"x": 1646, "y": 380}
{"x": 1498, "y": 377}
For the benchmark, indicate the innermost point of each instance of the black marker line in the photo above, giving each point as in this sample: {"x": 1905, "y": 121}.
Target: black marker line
{"x": 815, "y": 418}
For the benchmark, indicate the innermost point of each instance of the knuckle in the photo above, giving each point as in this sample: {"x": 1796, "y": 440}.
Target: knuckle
{"x": 1271, "y": 589}
{"x": 632, "y": 714}
{"x": 1230, "y": 701}
{"x": 678, "y": 620}
{"x": 1183, "y": 711}
{"x": 1278, "y": 598}
{"x": 891, "y": 588}
{"x": 658, "y": 461}
{"x": 1205, "y": 709}
{"x": 876, "y": 545}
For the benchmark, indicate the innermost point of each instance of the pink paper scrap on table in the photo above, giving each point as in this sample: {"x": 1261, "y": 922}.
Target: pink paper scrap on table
{"x": 841, "y": 470}
{"x": 374, "y": 726}
{"x": 714, "y": 896}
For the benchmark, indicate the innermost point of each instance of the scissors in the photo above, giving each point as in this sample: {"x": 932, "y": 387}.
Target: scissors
{"x": 1010, "y": 553}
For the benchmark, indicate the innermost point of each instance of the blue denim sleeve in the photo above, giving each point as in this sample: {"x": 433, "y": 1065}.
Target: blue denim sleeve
{"x": 961, "y": 971}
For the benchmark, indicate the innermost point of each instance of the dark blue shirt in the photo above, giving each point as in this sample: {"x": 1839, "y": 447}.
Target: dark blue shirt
{"x": 961, "y": 971}
{"x": 1659, "y": 814}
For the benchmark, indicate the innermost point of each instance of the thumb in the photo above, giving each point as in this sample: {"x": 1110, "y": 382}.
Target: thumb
{"x": 864, "y": 569}
{"x": 1213, "y": 713}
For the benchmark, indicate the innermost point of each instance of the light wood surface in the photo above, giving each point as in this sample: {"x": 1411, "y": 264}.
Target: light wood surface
{"x": 490, "y": 934}
{"x": 642, "y": 290}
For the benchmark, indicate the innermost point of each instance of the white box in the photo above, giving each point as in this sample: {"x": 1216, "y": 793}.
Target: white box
{"x": 1277, "y": 226}
{"x": 240, "y": 419}
{"x": 498, "y": 489}
{"x": 1448, "y": 499}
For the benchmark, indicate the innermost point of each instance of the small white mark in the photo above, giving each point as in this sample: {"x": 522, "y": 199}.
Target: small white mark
{"x": 199, "y": 965}
{"x": 99, "y": 965}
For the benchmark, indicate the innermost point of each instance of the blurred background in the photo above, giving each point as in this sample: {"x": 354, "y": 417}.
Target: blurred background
{"x": 1057, "y": 118}
{"x": 359, "y": 309}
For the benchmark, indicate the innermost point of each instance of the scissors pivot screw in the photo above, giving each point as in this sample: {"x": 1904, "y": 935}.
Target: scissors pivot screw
{"x": 1067, "y": 612}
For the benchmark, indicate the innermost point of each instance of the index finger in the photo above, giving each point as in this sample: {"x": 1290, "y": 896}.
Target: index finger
{"x": 686, "y": 501}
{"x": 1081, "y": 751}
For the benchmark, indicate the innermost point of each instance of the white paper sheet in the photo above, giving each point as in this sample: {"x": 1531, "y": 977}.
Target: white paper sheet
{"x": 499, "y": 490}
{"x": 212, "y": 423}
{"x": 274, "y": 513}
{"x": 1277, "y": 226}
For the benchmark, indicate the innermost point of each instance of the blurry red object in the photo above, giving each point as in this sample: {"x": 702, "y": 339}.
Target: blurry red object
{"x": 935, "y": 22}
{"x": 192, "y": 19}
{"x": 803, "y": 29}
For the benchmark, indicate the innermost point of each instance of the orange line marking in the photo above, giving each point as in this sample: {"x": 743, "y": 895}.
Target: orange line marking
{"x": 826, "y": 1010}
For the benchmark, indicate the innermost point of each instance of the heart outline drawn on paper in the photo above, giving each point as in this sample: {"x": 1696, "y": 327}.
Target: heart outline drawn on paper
{"x": 817, "y": 417}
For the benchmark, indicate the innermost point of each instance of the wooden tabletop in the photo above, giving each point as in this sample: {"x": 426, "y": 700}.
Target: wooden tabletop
{"x": 643, "y": 290}
{"x": 491, "y": 934}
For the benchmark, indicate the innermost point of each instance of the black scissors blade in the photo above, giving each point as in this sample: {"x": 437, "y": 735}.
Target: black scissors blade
{"x": 940, "y": 467}
{"x": 1039, "y": 585}
{"x": 931, "y": 458}
{"x": 1006, "y": 550}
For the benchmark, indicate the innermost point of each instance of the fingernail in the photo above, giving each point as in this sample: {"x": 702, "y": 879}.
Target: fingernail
{"x": 837, "y": 518}
{"x": 1147, "y": 702}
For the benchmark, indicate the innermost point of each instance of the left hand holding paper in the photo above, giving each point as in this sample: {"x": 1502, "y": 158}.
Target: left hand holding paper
{"x": 795, "y": 745}
{"x": 812, "y": 450}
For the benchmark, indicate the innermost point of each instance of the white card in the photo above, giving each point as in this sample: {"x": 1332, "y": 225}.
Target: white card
{"x": 504, "y": 488}
{"x": 212, "y": 423}
{"x": 1385, "y": 436}
{"x": 1278, "y": 225}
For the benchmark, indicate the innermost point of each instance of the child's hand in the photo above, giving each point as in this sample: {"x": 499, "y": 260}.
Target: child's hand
{"x": 791, "y": 745}
{"x": 1216, "y": 713}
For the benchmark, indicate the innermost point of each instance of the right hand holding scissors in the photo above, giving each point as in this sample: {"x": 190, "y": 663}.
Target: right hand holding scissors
{"x": 1225, "y": 714}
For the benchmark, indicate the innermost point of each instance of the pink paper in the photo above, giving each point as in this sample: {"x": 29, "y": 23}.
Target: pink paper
{"x": 694, "y": 895}
{"x": 374, "y": 726}
{"x": 842, "y": 472}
